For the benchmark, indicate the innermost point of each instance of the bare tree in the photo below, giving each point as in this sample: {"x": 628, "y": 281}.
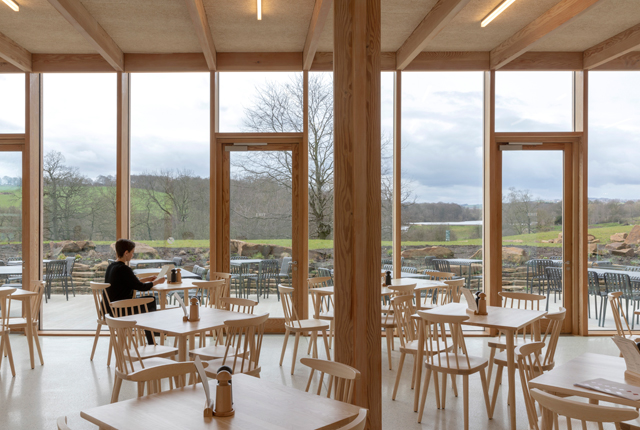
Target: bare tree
{"x": 519, "y": 211}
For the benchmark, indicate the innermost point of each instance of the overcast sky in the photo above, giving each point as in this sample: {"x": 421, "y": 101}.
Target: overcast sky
{"x": 441, "y": 126}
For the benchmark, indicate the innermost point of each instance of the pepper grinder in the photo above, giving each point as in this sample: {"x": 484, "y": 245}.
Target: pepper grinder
{"x": 174, "y": 277}
{"x": 224, "y": 395}
{"x": 387, "y": 279}
{"x": 179, "y": 276}
{"x": 194, "y": 310}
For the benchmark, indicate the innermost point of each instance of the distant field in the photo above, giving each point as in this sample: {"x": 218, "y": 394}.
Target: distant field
{"x": 8, "y": 196}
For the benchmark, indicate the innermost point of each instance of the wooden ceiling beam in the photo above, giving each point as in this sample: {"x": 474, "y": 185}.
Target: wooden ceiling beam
{"x": 542, "y": 26}
{"x": 203, "y": 31}
{"x": 321, "y": 11}
{"x": 612, "y": 48}
{"x": 15, "y": 54}
{"x": 437, "y": 18}
{"x": 80, "y": 18}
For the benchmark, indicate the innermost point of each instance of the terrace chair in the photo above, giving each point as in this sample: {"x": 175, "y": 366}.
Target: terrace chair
{"x": 583, "y": 412}
{"x": 428, "y": 262}
{"x": 620, "y": 282}
{"x": 55, "y": 271}
{"x": 177, "y": 261}
{"x": 409, "y": 269}
{"x": 444, "y": 266}
{"x": 449, "y": 356}
{"x": 342, "y": 378}
{"x": 71, "y": 262}
{"x": 359, "y": 423}
{"x": 387, "y": 261}
{"x": 243, "y": 346}
{"x": 596, "y": 291}
{"x": 547, "y": 354}
{"x": 536, "y": 273}
{"x": 102, "y": 302}
{"x": 632, "y": 269}
{"x": 387, "y": 267}
{"x": 5, "y": 344}
{"x": 269, "y": 270}
{"x": 285, "y": 272}
{"x": 326, "y": 273}
{"x": 554, "y": 283}
{"x": 200, "y": 271}
{"x": 239, "y": 257}
{"x": 292, "y": 324}
{"x": 20, "y": 324}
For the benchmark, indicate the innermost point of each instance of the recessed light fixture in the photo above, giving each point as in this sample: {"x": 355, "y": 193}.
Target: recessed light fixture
{"x": 497, "y": 11}
{"x": 13, "y": 5}
{"x": 259, "y": 10}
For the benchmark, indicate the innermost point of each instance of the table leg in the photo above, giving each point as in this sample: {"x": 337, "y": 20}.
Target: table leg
{"x": 182, "y": 348}
{"x": 316, "y": 306}
{"x": 163, "y": 300}
{"x": 26, "y": 305}
{"x": 418, "y": 368}
{"x": 511, "y": 371}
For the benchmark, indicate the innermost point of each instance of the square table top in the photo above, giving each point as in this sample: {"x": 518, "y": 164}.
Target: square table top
{"x": 185, "y": 273}
{"x": 185, "y": 284}
{"x": 11, "y": 270}
{"x": 463, "y": 260}
{"x": 497, "y": 317}
{"x": 560, "y": 379}
{"x": 249, "y": 261}
{"x": 258, "y": 404}
{"x": 170, "y": 320}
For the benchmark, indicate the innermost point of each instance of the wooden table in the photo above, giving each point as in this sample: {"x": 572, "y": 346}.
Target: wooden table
{"x": 507, "y": 320}
{"x": 185, "y": 273}
{"x": 258, "y": 404}
{"x": 134, "y": 263}
{"x": 25, "y": 297}
{"x": 170, "y": 322}
{"x": 164, "y": 288}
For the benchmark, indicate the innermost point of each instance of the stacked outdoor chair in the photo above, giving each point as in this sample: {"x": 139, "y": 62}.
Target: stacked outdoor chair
{"x": 269, "y": 270}
{"x": 444, "y": 266}
{"x": 554, "y": 283}
{"x": 620, "y": 282}
{"x": 596, "y": 292}
{"x": 536, "y": 273}
{"x": 55, "y": 271}
{"x": 71, "y": 262}
{"x": 326, "y": 273}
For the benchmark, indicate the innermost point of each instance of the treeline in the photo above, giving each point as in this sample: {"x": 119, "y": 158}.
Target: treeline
{"x": 439, "y": 212}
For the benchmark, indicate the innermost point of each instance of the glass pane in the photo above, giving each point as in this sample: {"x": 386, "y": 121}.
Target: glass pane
{"x": 442, "y": 119}
{"x": 12, "y": 113}
{"x": 614, "y": 207}
{"x": 534, "y": 101}
{"x": 261, "y": 226}
{"x": 170, "y": 160}
{"x": 79, "y": 168}
{"x": 261, "y": 102}
{"x": 11, "y": 220}
{"x": 532, "y": 224}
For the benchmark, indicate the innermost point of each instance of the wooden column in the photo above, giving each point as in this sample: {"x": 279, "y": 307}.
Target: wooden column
{"x": 32, "y": 183}
{"x": 492, "y": 197}
{"x": 397, "y": 173}
{"x": 303, "y": 201}
{"x": 123, "y": 164}
{"x": 357, "y": 212}
{"x": 215, "y": 262}
{"x": 580, "y": 324}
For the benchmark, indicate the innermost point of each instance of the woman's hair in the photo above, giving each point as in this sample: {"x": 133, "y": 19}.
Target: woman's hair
{"x": 124, "y": 245}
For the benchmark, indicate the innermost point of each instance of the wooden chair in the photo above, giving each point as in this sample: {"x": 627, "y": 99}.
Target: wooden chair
{"x": 210, "y": 292}
{"x": 514, "y": 301}
{"x": 359, "y": 423}
{"x": 529, "y": 366}
{"x": 175, "y": 373}
{"x": 20, "y": 324}
{"x": 550, "y": 339}
{"x": 217, "y": 276}
{"x": 454, "y": 289}
{"x": 453, "y": 361}
{"x": 243, "y": 346}
{"x": 342, "y": 378}
{"x": 101, "y": 301}
{"x": 5, "y": 344}
{"x": 403, "y": 309}
{"x": 326, "y": 304}
{"x": 128, "y": 307}
{"x": 219, "y": 349}
{"x": 583, "y": 412}
{"x": 293, "y": 324}
{"x": 620, "y": 318}
{"x": 126, "y": 346}
{"x": 62, "y": 423}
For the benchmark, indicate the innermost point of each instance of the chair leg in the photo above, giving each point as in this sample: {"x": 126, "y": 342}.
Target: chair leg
{"x": 284, "y": 345}
{"x": 7, "y": 350}
{"x": 110, "y": 351}
{"x": 295, "y": 352}
{"x": 465, "y": 400}
{"x": 485, "y": 390}
{"x": 326, "y": 344}
{"x": 492, "y": 356}
{"x": 116, "y": 389}
{"x": 443, "y": 397}
{"x": 95, "y": 341}
{"x": 496, "y": 385}
{"x": 454, "y": 385}
{"x": 388, "y": 334}
{"x": 400, "y": 365}
{"x": 37, "y": 342}
{"x": 425, "y": 387}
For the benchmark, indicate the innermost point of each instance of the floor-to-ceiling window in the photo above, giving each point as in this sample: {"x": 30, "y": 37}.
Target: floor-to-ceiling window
{"x": 79, "y": 167}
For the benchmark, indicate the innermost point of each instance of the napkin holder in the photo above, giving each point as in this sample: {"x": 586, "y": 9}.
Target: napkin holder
{"x": 482, "y": 305}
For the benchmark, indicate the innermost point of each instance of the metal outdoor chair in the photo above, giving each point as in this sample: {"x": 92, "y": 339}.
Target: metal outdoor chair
{"x": 177, "y": 261}
{"x": 285, "y": 272}
{"x": 444, "y": 266}
{"x": 239, "y": 257}
{"x": 387, "y": 261}
{"x": 409, "y": 269}
{"x": 536, "y": 273}
{"x": 554, "y": 283}
{"x": 71, "y": 262}
{"x": 621, "y": 282}
{"x": 269, "y": 270}
{"x": 326, "y": 273}
{"x": 387, "y": 267}
{"x": 428, "y": 262}
{"x": 595, "y": 291}
{"x": 200, "y": 271}
{"x": 55, "y": 271}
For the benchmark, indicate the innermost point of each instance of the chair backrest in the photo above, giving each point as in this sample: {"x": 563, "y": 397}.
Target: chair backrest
{"x": 127, "y": 307}
{"x": 440, "y": 276}
{"x": 173, "y": 371}
{"x": 56, "y": 269}
{"x": 441, "y": 265}
{"x": 285, "y": 266}
{"x": 100, "y": 299}
{"x": 632, "y": 268}
{"x": 216, "y": 276}
{"x": 554, "y": 277}
{"x": 551, "y": 335}
{"x": 387, "y": 261}
{"x": 403, "y": 309}
{"x": 584, "y": 412}
{"x": 71, "y": 262}
{"x": 435, "y": 339}
{"x": 318, "y": 282}
{"x": 359, "y": 423}
{"x": 521, "y": 300}
{"x": 197, "y": 270}
{"x": 428, "y": 262}
{"x": 387, "y": 267}
{"x": 269, "y": 269}
{"x": 244, "y": 343}
{"x": 594, "y": 282}
{"x": 5, "y": 310}
{"x": 538, "y": 266}
{"x": 403, "y": 290}
{"x": 409, "y": 269}
{"x": 325, "y": 273}
{"x": 453, "y": 293}
{"x": 529, "y": 366}
{"x": 234, "y": 304}
{"x": 62, "y": 423}
{"x": 125, "y": 338}
{"x": 239, "y": 257}
{"x": 290, "y": 314}
{"x": 619, "y": 317}
{"x": 38, "y": 288}
{"x": 342, "y": 378}
{"x": 618, "y": 282}
{"x": 210, "y": 292}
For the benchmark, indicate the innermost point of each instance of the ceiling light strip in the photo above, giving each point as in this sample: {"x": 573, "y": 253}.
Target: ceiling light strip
{"x": 259, "y": 10}
{"x": 13, "y": 5}
{"x": 494, "y": 13}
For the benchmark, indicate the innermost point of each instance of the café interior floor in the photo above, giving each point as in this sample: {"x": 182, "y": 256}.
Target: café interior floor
{"x": 69, "y": 383}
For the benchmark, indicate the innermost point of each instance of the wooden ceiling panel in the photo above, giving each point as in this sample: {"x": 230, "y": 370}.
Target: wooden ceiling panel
{"x": 465, "y": 34}
{"x": 399, "y": 19}
{"x": 283, "y": 27}
{"x": 144, "y": 26}
{"x": 325, "y": 44}
{"x": 40, "y": 29}
{"x": 600, "y": 22}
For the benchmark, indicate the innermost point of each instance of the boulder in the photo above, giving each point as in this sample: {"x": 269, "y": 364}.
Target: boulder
{"x": 141, "y": 248}
{"x": 435, "y": 251}
{"x": 235, "y": 246}
{"x": 182, "y": 252}
{"x": 93, "y": 255}
{"x": 634, "y": 236}
{"x": 616, "y": 246}
{"x": 618, "y": 237}
{"x": 277, "y": 251}
{"x": 514, "y": 255}
{"x": 251, "y": 249}
{"x": 67, "y": 247}
{"x": 594, "y": 241}
{"x": 590, "y": 238}
{"x": 626, "y": 252}
{"x": 86, "y": 244}
{"x": 592, "y": 248}
{"x": 101, "y": 267}
{"x": 316, "y": 255}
